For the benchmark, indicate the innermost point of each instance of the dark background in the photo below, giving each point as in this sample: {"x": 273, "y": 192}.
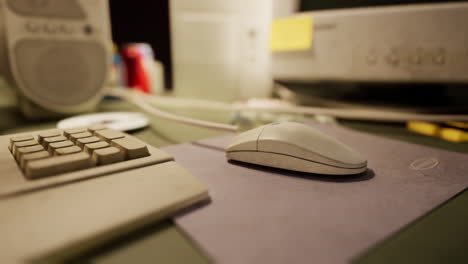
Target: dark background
{"x": 306, "y": 5}
{"x": 144, "y": 21}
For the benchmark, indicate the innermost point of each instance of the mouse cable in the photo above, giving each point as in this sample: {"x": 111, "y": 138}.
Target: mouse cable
{"x": 143, "y": 101}
{"x": 140, "y": 100}
{"x": 278, "y": 106}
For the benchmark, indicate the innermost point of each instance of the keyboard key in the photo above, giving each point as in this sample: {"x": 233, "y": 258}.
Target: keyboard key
{"x": 98, "y": 144}
{"x": 108, "y": 155}
{"x": 25, "y": 150}
{"x": 33, "y": 156}
{"x": 67, "y": 150}
{"x": 87, "y": 140}
{"x": 55, "y": 165}
{"x": 89, "y": 148}
{"x": 109, "y": 134}
{"x": 68, "y": 132}
{"x": 47, "y": 134}
{"x": 62, "y": 144}
{"x": 95, "y": 128}
{"x": 132, "y": 148}
{"x": 20, "y": 138}
{"x": 50, "y": 140}
{"x": 22, "y": 144}
{"x": 75, "y": 137}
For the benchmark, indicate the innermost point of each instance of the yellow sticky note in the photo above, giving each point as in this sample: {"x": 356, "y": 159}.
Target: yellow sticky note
{"x": 292, "y": 34}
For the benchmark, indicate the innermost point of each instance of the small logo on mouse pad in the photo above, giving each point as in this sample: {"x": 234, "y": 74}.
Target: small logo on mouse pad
{"x": 424, "y": 164}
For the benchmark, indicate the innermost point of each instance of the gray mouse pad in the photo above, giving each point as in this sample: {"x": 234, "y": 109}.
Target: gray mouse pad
{"x": 263, "y": 215}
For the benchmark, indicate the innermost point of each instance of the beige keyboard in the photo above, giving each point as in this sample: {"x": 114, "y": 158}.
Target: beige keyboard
{"x": 66, "y": 191}
{"x": 54, "y": 152}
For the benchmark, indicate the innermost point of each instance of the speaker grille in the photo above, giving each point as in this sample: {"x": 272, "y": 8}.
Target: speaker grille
{"x": 60, "y": 73}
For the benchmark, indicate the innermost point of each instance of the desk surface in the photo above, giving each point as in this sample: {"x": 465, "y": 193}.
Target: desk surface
{"x": 440, "y": 236}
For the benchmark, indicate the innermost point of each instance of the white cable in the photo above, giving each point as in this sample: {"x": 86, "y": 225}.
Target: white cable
{"x": 189, "y": 103}
{"x": 138, "y": 99}
{"x": 142, "y": 101}
{"x": 276, "y": 106}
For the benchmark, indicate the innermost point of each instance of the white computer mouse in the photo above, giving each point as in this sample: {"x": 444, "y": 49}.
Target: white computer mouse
{"x": 297, "y": 147}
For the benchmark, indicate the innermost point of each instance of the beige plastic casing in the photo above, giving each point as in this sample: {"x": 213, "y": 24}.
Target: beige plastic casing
{"x": 297, "y": 147}
{"x": 14, "y": 30}
{"x": 402, "y": 43}
{"x": 65, "y": 214}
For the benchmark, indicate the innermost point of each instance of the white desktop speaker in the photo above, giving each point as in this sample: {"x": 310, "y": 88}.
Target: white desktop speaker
{"x": 55, "y": 53}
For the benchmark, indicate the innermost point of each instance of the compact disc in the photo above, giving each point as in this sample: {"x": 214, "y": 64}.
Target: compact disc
{"x": 123, "y": 121}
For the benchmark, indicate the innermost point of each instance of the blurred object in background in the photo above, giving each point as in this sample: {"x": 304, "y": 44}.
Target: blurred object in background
{"x": 220, "y": 48}
{"x": 285, "y": 7}
{"x": 117, "y": 76}
{"x": 398, "y": 43}
{"x": 122, "y": 121}
{"x": 144, "y": 21}
{"x": 142, "y": 71}
{"x": 157, "y": 77}
{"x": 402, "y": 55}
{"x": 456, "y": 132}
{"x": 56, "y": 54}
